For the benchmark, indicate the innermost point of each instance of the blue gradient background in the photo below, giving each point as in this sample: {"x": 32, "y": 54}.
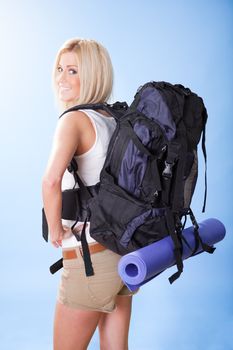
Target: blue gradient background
{"x": 190, "y": 42}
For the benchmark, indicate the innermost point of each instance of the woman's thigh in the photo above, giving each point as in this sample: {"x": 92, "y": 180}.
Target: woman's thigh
{"x": 114, "y": 327}
{"x": 73, "y": 328}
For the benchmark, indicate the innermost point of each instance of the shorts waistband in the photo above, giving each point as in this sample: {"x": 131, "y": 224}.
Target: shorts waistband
{"x": 72, "y": 253}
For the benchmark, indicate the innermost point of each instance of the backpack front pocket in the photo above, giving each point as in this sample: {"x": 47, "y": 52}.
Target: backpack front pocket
{"x": 116, "y": 216}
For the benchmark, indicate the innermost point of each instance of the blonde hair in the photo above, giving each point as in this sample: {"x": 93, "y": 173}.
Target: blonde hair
{"x": 94, "y": 68}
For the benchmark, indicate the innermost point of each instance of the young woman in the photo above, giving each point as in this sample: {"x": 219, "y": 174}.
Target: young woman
{"x": 83, "y": 74}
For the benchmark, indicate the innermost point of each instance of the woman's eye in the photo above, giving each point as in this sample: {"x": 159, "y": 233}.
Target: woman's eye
{"x": 72, "y": 71}
{"x": 59, "y": 69}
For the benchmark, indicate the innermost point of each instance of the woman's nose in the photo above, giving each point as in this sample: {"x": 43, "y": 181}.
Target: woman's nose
{"x": 62, "y": 77}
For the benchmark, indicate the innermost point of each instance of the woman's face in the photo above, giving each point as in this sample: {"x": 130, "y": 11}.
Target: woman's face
{"x": 67, "y": 77}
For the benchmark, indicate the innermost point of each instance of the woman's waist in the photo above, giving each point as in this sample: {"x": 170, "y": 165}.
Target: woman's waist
{"x": 73, "y": 240}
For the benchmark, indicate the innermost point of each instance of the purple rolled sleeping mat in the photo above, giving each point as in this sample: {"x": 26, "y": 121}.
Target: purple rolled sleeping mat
{"x": 140, "y": 266}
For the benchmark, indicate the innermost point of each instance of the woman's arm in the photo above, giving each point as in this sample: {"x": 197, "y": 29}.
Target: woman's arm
{"x": 67, "y": 138}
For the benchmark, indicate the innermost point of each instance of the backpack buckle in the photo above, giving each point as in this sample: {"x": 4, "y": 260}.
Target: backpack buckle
{"x": 167, "y": 172}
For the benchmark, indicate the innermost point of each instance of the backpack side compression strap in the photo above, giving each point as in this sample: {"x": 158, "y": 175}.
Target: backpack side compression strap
{"x": 177, "y": 246}
{"x": 205, "y": 247}
{"x": 205, "y": 116}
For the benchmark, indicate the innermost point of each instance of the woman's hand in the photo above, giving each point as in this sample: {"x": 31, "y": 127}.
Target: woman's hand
{"x": 56, "y": 237}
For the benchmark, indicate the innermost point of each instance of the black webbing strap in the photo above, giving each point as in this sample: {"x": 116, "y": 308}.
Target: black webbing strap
{"x": 173, "y": 149}
{"x": 86, "y": 253}
{"x": 73, "y": 167}
{"x": 177, "y": 246}
{"x": 166, "y": 181}
{"x": 178, "y": 185}
{"x": 115, "y": 110}
{"x": 45, "y": 229}
{"x": 167, "y": 174}
{"x": 85, "y": 248}
{"x": 205, "y": 158}
{"x": 206, "y": 247}
{"x": 56, "y": 266}
{"x": 84, "y": 106}
{"x": 59, "y": 264}
{"x": 183, "y": 238}
{"x": 137, "y": 141}
{"x": 184, "y": 223}
{"x": 198, "y": 239}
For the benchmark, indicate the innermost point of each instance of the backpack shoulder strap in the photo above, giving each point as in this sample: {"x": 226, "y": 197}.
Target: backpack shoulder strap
{"x": 73, "y": 168}
{"x": 116, "y": 110}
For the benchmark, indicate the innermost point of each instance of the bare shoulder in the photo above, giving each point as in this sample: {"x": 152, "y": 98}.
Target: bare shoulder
{"x": 77, "y": 128}
{"x": 76, "y": 119}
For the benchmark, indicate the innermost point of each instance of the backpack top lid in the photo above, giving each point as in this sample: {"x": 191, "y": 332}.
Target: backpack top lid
{"x": 168, "y": 104}
{"x": 150, "y": 102}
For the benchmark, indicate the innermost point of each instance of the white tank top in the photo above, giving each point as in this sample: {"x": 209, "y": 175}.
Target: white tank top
{"x": 90, "y": 164}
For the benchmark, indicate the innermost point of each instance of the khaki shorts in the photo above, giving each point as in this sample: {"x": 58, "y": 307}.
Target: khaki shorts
{"x": 98, "y": 292}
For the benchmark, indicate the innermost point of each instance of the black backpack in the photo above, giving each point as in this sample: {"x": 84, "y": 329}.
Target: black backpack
{"x": 149, "y": 175}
